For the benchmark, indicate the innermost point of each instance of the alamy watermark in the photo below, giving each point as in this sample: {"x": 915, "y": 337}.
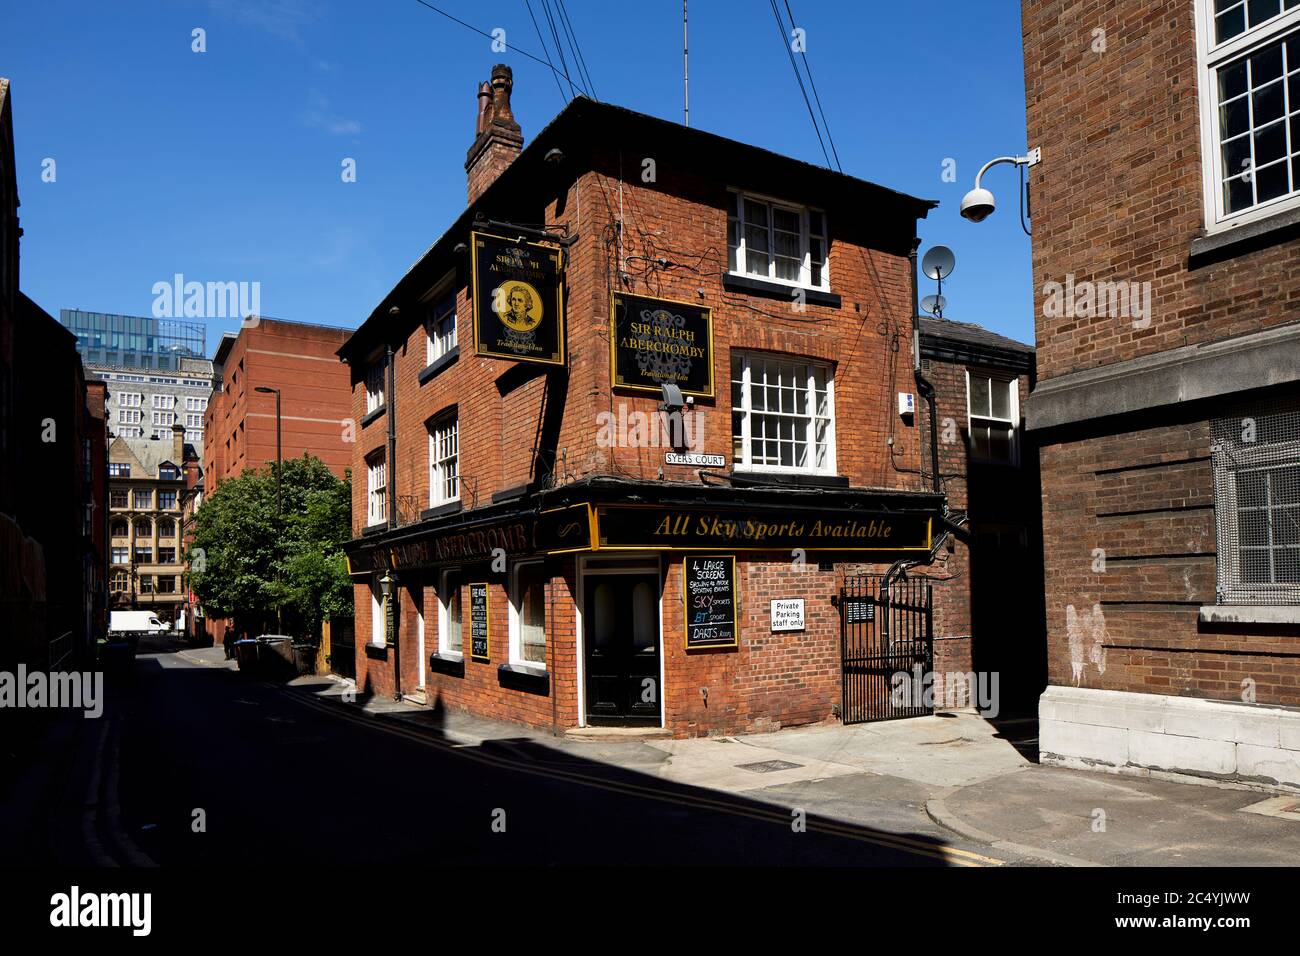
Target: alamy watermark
{"x": 72, "y": 690}
{"x": 1085, "y": 300}
{"x": 205, "y": 300}
{"x": 930, "y": 689}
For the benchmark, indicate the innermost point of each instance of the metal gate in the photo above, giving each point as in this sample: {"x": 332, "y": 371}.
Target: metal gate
{"x": 887, "y": 648}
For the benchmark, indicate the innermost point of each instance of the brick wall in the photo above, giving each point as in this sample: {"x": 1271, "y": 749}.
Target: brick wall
{"x": 1119, "y": 197}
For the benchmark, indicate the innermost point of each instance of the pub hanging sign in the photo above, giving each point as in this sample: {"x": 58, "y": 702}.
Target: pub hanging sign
{"x": 653, "y": 341}
{"x": 518, "y": 300}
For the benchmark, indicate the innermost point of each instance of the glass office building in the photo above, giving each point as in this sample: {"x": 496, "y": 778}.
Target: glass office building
{"x": 134, "y": 341}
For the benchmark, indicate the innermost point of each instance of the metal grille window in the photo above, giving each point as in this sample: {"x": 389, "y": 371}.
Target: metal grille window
{"x": 782, "y": 415}
{"x": 1249, "y": 52}
{"x": 780, "y": 242}
{"x": 1256, "y": 460}
{"x": 444, "y": 475}
{"x": 440, "y": 330}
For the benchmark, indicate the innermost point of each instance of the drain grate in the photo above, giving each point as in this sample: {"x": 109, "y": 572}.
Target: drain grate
{"x": 768, "y": 766}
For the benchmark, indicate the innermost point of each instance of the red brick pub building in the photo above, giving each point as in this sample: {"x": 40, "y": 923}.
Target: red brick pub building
{"x": 1166, "y": 221}
{"x": 563, "y": 541}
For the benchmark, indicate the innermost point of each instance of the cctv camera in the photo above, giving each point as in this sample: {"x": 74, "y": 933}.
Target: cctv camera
{"x": 977, "y": 205}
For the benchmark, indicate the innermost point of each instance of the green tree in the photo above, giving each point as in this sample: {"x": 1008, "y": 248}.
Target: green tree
{"x": 256, "y": 561}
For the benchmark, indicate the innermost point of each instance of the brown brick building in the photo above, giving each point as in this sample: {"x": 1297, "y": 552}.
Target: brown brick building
{"x": 1166, "y": 258}
{"x": 315, "y": 399}
{"x": 239, "y": 430}
{"x": 566, "y": 541}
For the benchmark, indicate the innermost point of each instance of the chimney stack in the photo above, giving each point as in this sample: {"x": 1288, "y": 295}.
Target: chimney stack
{"x": 497, "y": 138}
{"x": 178, "y": 446}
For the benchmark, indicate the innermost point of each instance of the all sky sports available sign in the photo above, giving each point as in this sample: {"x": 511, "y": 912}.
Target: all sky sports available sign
{"x": 653, "y": 341}
{"x": 734, "y": 529}
{"x": 518, "y": 300}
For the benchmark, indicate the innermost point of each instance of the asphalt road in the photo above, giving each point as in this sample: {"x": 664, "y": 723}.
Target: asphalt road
{"x": 275, "y": 780}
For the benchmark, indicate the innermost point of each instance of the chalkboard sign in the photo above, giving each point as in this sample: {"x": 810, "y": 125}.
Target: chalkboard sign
{"x": 709, "y": 583}
{"x": 478, "y": 623}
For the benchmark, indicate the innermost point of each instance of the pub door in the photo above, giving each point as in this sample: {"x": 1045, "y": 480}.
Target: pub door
{"x": 620, "y": 630}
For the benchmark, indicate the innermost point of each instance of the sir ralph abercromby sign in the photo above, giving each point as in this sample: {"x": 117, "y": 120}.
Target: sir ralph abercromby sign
{"x": 518, "y": 300}
{"x": 653, "y": 341}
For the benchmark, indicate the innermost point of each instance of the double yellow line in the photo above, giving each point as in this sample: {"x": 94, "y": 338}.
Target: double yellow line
{"x": 950, "y": 855}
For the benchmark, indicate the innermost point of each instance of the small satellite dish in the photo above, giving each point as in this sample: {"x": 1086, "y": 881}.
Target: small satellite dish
{"x": 938, "y": 263}
{"x": 934, "y": 304}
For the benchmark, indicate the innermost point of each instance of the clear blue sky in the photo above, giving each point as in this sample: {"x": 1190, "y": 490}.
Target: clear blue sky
{"x": 224, "y": 166}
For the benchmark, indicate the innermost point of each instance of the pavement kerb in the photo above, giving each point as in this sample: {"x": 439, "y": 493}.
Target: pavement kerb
{"x": 937, "y": 809}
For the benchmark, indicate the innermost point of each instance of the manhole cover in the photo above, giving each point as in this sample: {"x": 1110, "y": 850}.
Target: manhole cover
{"x": 768, "y": 766}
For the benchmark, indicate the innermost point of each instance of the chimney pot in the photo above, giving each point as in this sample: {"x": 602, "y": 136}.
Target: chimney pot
{"x": 497, "y": 137}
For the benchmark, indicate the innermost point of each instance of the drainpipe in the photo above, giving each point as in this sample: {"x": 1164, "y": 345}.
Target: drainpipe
{"x": 922, "y": 385}
{"x": 391, "y": 414}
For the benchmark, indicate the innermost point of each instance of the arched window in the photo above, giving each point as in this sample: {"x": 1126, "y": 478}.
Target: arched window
{"x": 143, "y": 528}
{"x": 166, "y": 528}
{"x": 119, "y": 529}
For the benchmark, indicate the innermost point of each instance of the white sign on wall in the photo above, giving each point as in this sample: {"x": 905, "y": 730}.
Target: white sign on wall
{"x": 787, "y": 614}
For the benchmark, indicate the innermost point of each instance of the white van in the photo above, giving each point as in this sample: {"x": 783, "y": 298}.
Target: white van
{"x": 135, "y": 622}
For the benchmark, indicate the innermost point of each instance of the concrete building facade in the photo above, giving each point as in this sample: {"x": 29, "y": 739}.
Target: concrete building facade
{"x": 1166, "y": 253}
{"x": 146, "y": 515}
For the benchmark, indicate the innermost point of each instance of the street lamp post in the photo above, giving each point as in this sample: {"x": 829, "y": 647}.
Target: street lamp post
{"x": 279, "y": 467}
{"x": 279, "y": 454}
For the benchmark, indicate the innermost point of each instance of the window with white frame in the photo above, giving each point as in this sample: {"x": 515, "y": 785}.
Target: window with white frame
{"x": 376, "y": 488}
{"x": 782, "y": 414}
{"x": 193, "y": 421}
{"x": 129, "y": 400}
{"x": 440, "y": 329}
{"x": 444, "y": 474}
{"x": 449, "y": 615}
{"x": 196, "y": 404}
{"x": 375, "y": 386}
{"x": 377, "y": 635}
{"x": 776, "y": 241}
{"x": 1249, "y": 60}
{"x": 164, "y": 402}
{"x": 164, "y": 418}
{"x": 128, "y": 416}
{"x": 1255, "y": 456}
{"x": 991, "y": 410}
{"x": 528, "y": 614}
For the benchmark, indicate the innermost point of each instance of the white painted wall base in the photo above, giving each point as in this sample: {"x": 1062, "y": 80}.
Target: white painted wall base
{"x": 1251, "y": 745}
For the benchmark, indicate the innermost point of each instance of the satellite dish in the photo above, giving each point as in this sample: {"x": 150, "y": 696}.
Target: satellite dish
{"x": 938, "y": 263}
{"x": 934, "y": 304}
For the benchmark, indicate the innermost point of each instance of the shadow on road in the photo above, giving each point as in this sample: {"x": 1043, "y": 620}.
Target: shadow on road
{"x": 276, "y": 773}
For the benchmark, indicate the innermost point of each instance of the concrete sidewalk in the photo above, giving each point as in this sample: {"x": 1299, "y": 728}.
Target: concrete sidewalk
{"x": 940, "y": 775}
